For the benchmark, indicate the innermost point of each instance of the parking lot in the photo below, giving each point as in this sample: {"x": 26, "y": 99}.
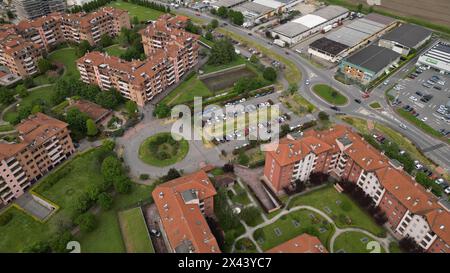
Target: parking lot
{"x": 426, "y": 96}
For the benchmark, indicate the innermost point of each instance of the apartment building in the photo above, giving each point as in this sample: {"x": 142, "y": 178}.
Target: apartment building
{"x": 183, "y": 204}
{"x": 30, "y": 9}
{"x": 19, "y": 55}
{"x": 55, "y": 28}
{"x": 44, "y": 143}
{"x": 176, "y": 53}
{"x": 412, "y": 211}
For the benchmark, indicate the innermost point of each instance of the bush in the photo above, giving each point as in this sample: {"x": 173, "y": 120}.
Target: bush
{"x": 144, "y": 176}
{"x": 87, "y": 222}
{"x": 105, "y": 201}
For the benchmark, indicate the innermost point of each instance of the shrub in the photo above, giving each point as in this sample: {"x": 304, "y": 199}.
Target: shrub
{"x": 144, "y": 176}
{"x": 105, "y": 201}
{"x": 86, "y": 222}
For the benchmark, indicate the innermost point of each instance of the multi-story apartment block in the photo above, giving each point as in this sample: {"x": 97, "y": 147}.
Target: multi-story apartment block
{"x": 19, "y": 55}
{"x": 44, "y": 143}
{"x": 411, "y": 210}
{"x": 22, "y": 44}
{"x": 183, "y": 204}
{"x": 138, "y": 80}
{"x": 30, "y": 9}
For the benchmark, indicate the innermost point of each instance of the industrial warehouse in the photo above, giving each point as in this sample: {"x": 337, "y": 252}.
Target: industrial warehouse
{"x": 349, "y": 38}
{"x": 369, "y": 63}
{"x": 437, "y": 57}
{"x": 302, "y": 27}
{"x": 405, "y": 38}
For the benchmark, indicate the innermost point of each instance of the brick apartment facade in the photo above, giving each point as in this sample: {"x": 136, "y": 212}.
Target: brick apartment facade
{"x": 44, "y": 143}
{"x": 170, "y": 51}
{"x": 183, "y": 204}
{"x": 411, "y": 209}
{"x": 19, "y": 55}
{"x": 23, "y": 44}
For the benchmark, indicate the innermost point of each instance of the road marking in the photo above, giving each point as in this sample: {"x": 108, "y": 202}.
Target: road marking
{"x": 432, "y": 148}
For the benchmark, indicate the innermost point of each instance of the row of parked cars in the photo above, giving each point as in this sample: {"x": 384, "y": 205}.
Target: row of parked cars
{"x": 444, "y": 185}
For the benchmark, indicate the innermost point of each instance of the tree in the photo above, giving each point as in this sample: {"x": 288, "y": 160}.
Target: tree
{"x": 222, "y": 12}
{"x": 59, "y": 241}
{"x": 44, "y": 65}
{"x": 76, "y": 120}
{"x": 111, "y": 168}
{"x": 209, "y": 36}
{"x": 222, "y": 52}
{"x": 135, "y": 20}
{"x": 83, "y": 47}
{"x": 6, "y": 96}
{"x": 106, "y": 40}
{"x": 254, "y": 59}
{"x": 285, "y": 129}
{"x": 91, "y": 128}
{"x": 293, "y": 87}
{"x": 86, "y": 221}
{"x": 162, "y": 110}
{"x": 107, "y": 99}
{"x": 10, "y": 14}
{"x": 214, "y": 23}
{"x": 237, "y": 17}
{"x": 105, "y": 201}
{"x": 131, "y": 108}
{"x": 22, "y": 91}
{"x": 28, "y": 82}
{"x": 360, "y": 7}
{"x": 270, "y": 74}
{"x": 323, "y": 116}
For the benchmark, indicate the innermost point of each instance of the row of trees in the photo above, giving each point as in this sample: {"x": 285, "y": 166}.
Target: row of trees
{"x": 90, "y": 6}
{"x": 236, "y": 17}
{"x": 152, "y": 5}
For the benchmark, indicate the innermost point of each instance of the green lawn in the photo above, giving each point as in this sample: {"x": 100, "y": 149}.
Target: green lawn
{"x": 21, "y": 232}
{"x": 174, "y": 154}
{"x": 375, "y": 105}
{"x": 291, "y": 73}
{"x": 298, "y": 104}
{"x": 115, "y": 50}
{"x": 308, "y": 222}
{"x": 135, "y": 232}
{"x": 68, "y": 57}
{"x": 6, "y": 127}
{"x": 353, "y": 242}
{"x": 186, "y": 91}
{"x": 346, "y": 214}
{"x": 329, "y": 94}
{"x": 42, "y": 94}
{"x": 143, "y": 13}
{"x": 107, "y": 237}
{"x": 241, "y": 196}
{"x": 208, "y": 68}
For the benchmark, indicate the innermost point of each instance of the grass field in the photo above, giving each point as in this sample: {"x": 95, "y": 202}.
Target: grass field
{"x": 291, "y": 73}
{"x": 107, "y": 237}
{"x": 354, "y": 242}
{"x": 308, "y": 222}
{"x": 42, "y": 94}
{"x": 142, "y": 13}
{"x": 375, "y": 105}
{"x": 186, "y": 91}
{"x": 207, "y": 68}
{"x": 329, "y": 94}
{"x": 68, "y": 57}
{"x": 115, "y": 50}
{"x": 298, "y": 104}
{"x": 135, "y": 232}
{"x": 175, "y": 155}
{"x": 345, "y": 214}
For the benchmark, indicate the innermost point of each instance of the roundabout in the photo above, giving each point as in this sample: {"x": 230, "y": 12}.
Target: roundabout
{"x": 162, "y": 150}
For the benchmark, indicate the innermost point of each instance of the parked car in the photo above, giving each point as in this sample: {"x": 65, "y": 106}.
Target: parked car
{"x": 357, "y": 100}
{"x": 447, "y": 190}
{"x": 155, "y": 232}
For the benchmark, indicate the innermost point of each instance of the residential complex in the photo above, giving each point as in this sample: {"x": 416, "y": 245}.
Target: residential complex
{"x": 170, "y": 50}
{"x": 183, "y": 204}
{"x": 44, "y": 143}
{"x": 23, "y": 44}
{"x": 412, "y": 211}
{"x": 30, "y": 9}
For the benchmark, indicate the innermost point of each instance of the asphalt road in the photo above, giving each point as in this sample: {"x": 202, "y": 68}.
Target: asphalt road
{"x": 315, "y": 75}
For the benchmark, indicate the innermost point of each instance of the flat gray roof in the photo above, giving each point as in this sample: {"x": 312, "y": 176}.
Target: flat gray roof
{"x": 292, "y": 29}
{"x": 408, "y": 35}
{"x": 374, "y": 58}
{"x": 252, "y": 7}
{"x": 227, "y": 3}
{"x": 358, "y": 30}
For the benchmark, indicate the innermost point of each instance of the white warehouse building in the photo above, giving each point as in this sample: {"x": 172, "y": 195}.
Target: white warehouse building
{"x": 297, "y": 29}
{"x": 437, "y": 57}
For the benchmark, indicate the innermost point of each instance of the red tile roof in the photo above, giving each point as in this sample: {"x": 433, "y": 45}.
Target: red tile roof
{"x": 304, "y": 243}
{"x": 183, "y": 222}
